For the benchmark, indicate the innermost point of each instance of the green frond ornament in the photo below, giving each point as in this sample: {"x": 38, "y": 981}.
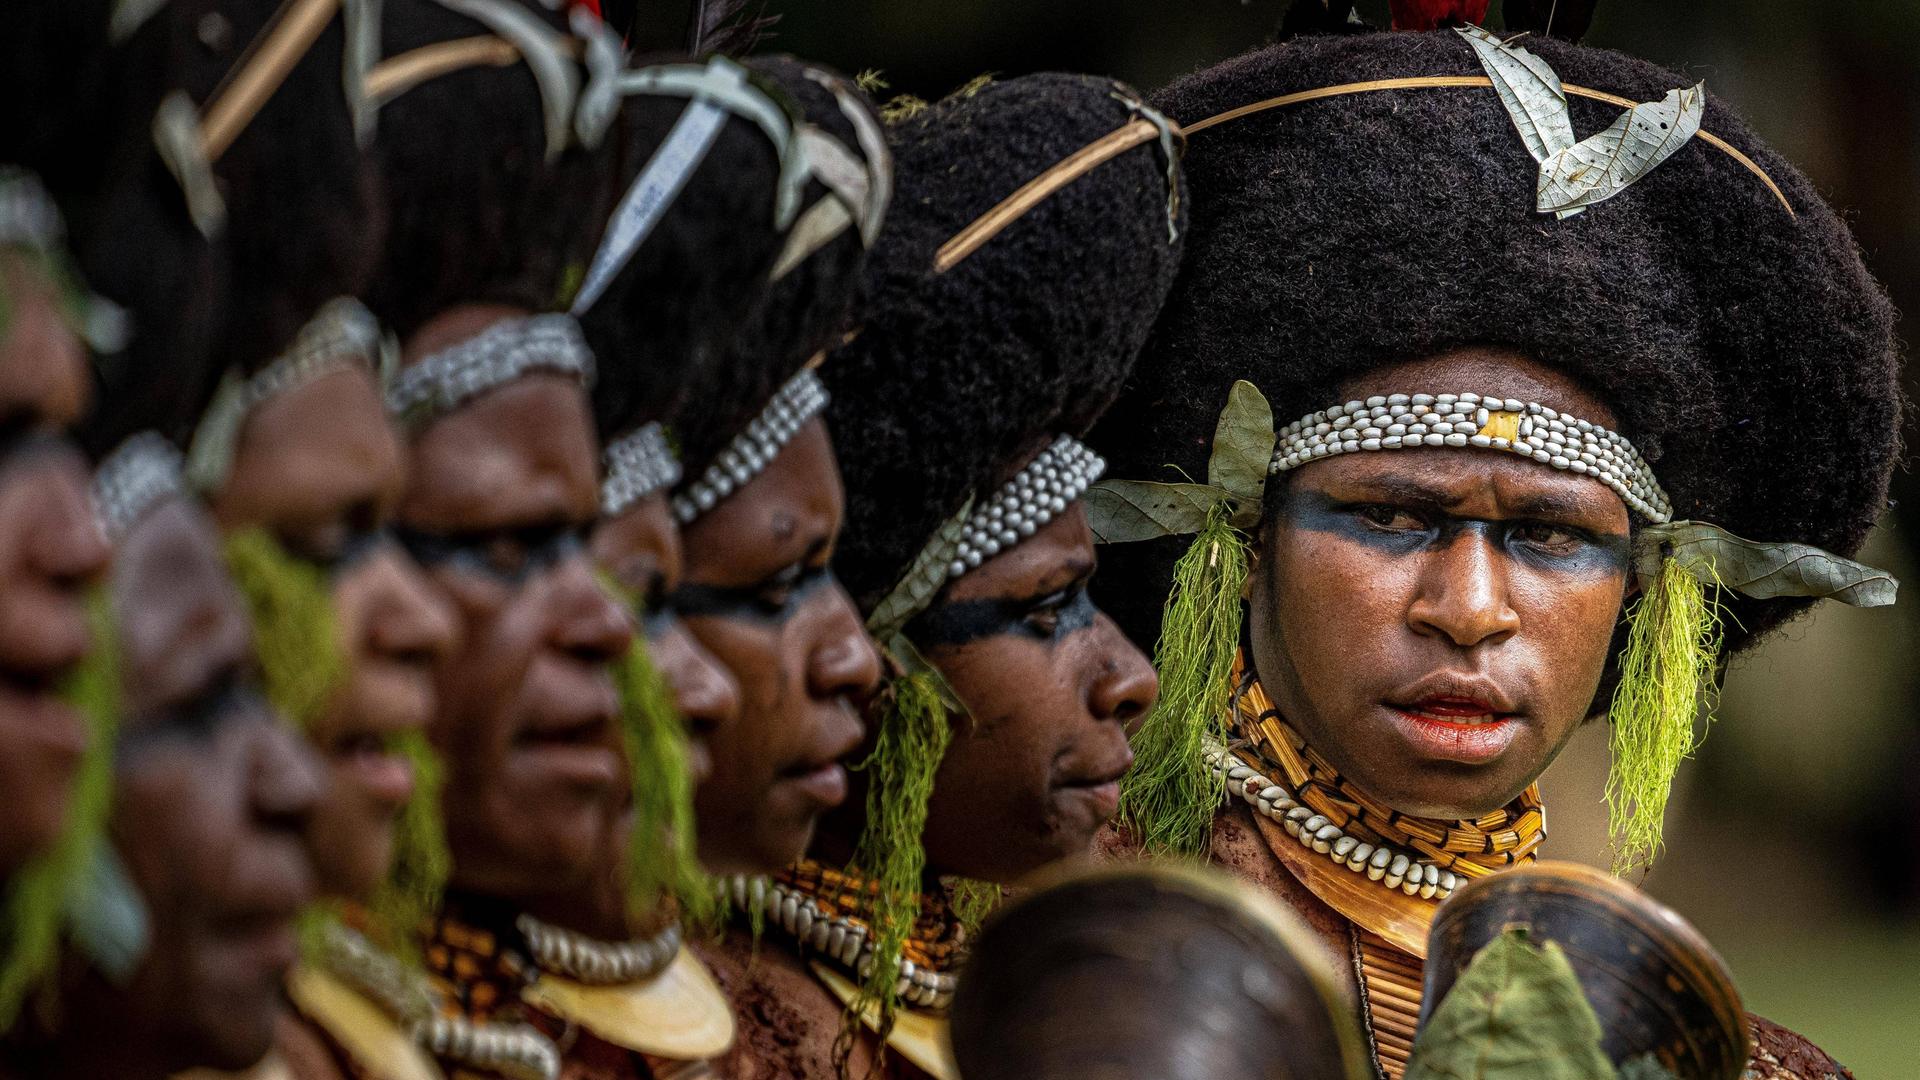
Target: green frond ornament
{"x": 663, "y": 857}
{"x": 421, "y": 862}
{"x": 914, "y": 729}
{"x": 42, "y": 898}
{"x": 1673, "y": 648}
{"x": 293, "y": 624}
{"x": 1672, "y": 659}
{"x": 1169, "y": 798}
{"x": 663, "y": 861}
{"x": 972, "y": 901}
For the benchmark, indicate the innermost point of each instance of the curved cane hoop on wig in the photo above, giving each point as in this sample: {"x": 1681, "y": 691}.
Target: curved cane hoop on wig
{"x": 1432, "y": 82}
{"x": 1149, "y": 125}
{"x": 191, "y": 139}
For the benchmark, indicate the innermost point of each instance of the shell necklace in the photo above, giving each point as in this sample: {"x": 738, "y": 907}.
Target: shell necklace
{"x": 1282, "y": 778}
{"x": 827, "y": 912}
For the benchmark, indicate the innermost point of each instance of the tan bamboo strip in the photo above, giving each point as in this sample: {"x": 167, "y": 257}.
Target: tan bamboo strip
{"x": 1425, "y": 82}
{"x": 1037, "y": 190}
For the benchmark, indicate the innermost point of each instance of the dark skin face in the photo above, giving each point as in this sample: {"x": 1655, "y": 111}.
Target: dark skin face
{"x": 321, "y": 469}
{"x": 1051, "y": 685}
{"x": 641, "y": 549}
{"x": 499, "y": 500}
{"x": 1436, "y": 622}
{"x": 760, "y": 597}
{"x": 211, "y": 800}
{"x": 49, "y": 549}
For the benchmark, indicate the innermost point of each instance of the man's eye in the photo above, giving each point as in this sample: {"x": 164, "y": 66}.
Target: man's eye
{"x": 1549, "y": 537}
{"x": 1390, "y": 517}
{"x": 505, "y": 554}
{"x": 776, "y": 592}
{"x": 1047, "y": 613}
{"x": 1045, "y": 619}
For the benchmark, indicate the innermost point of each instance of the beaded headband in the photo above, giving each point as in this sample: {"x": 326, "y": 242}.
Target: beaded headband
{"x": 751, "y": 451}
{"x": 718, "y": 90}
{"x": 342, "y": 335}
{"x": 1035, "y": 496}
{"x": 498, "y": 355}
{"x": 1526, "y": 428}
{"x": 638, "y": 464}
{"x": 141, "y": 473}
{"x": 30, "y": 221}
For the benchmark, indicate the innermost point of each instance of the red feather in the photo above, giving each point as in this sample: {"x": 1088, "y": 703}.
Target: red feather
{"x": 1434, "y": 14}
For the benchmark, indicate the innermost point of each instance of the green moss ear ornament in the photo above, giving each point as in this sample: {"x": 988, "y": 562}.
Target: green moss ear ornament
{"x": 1672, "y": 657}
{"x": 1169, "y": 797}
{"x": 78, "y": 889}
{"x": 422, "y": 862}
{"x": 293, "y": 626}
{"x": 913, "y": 716}
{"x": 662, "y": 860}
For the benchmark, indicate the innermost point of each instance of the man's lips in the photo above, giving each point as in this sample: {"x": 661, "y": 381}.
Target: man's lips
{"x": 40, "y": 717}
{"x": 1461, "y": 730}
{"x": 825, "y": 785}
{"x": 373, "y": 768}
{"x": 821, "y": 777}
{"x": 578, "y": 751}
{"x": 1460, "y": 710}
{"x": 1098, "y": 784}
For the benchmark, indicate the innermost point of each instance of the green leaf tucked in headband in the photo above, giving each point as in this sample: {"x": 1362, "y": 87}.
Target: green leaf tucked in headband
{"x": 1123, "y": 511}
{"x": 1242, "y": 451}
{"x": 1759, "y": 569}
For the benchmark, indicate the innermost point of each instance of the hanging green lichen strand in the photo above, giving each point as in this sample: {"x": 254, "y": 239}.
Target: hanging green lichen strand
{"x": 663, "y": 857}
{"x": 1169, "y": 797}
{"x": 41, "y": 893}
{"x": 293, "y": 624}
{"x": 1673, "y": 645}
{"x": 914, "y": 731}
{"x": 417, "y": 876}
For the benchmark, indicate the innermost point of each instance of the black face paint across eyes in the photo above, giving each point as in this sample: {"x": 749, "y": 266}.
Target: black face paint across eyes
{"x": 509, "y": 556}
{"x": 231, "y": 698}
{"x": 768, "y": 602}
{"x": 1589, "y": 554}
{"x": 960, "y": 622}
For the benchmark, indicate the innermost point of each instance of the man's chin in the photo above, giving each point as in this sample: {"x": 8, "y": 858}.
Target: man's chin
{"x": 1443, "y": 794}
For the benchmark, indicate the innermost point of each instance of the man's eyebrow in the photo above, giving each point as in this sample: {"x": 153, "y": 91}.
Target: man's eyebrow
{"x": 1412, "y": 492}
{"x": 1550, "y": 504}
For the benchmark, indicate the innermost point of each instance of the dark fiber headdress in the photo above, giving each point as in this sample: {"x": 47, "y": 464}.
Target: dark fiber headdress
{"x": 972, "y": 357}
{"x": 761, "y": 382}
{"x": 1716, "y": 304}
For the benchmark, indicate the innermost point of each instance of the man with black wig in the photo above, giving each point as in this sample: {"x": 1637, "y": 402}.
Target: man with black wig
{"x": 495, "y": 183}
{"x": 1648, "y": 376}
{"x": 760, "y": 503}
{"x": 683, "y": 259}
{"x": 996, "y": 745}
